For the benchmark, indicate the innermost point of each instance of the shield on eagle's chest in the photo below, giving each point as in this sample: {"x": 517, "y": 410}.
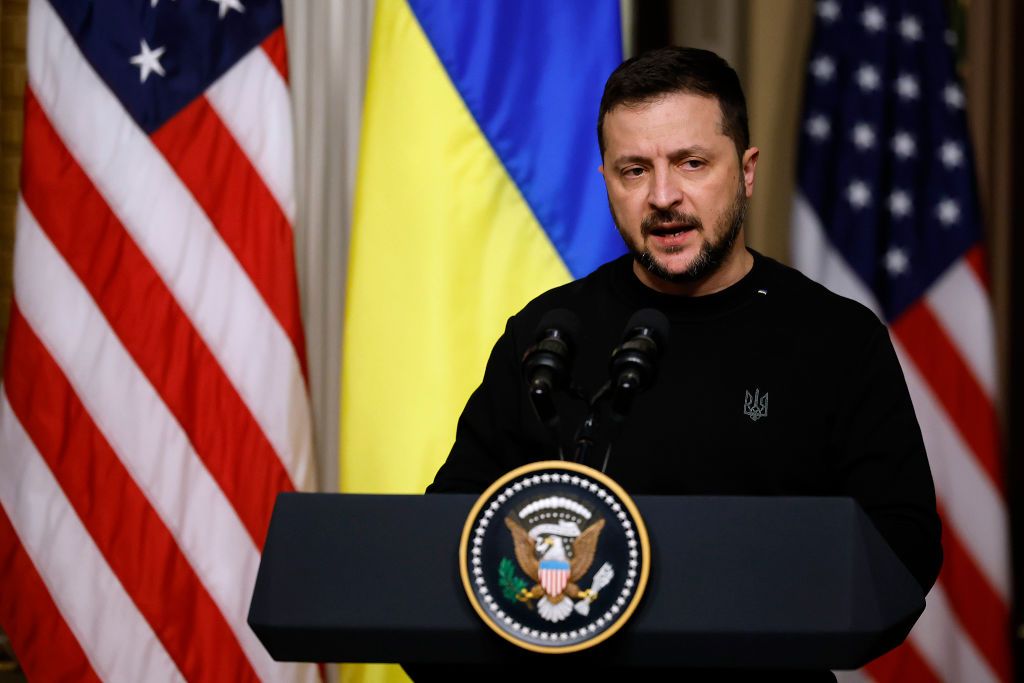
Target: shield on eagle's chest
{"x": 554, "y": 574}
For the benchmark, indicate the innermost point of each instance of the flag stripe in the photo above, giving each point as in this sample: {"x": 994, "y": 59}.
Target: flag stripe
{"x": 942, "y": 643}
{"x": 277, "y": 52}
{"x": 976, "y": 260}
{"x": 137, "y": 425}
{"x": 959, "y": 303}
{"x": 252, "y": 100}
{"x": 135, "y": 303}
{"x": 952, "y": 383}
{"x": 970, "y": 501}
{"x": 223, "y": 181}
{"x": 133, "y": 540}
{"x": 978, "y": 608}
{"x": 902, "y": 664}
{"x": 105, "y": 621}
{"x": 176, "y": 238}
{"x": 33, "y": 618}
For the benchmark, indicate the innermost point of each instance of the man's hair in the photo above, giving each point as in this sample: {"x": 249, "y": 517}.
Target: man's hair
{"x": 668, "y": 70}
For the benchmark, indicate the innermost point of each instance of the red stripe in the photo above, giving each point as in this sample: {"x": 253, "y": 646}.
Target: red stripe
{"x": 155, "y": 331}
{"x": 137, "y": 546}
{"x": 953, "y": 384}
{"x": 40, "y": 638}
{"x": 979, "y": 609}
{"x": 976, "y": 260}
{"x": 902, "y": 665}
{"x": 224, "y": 182}
{"x": 277, "y": 50}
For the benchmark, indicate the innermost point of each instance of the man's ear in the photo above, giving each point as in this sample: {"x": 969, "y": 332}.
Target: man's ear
{"x": 749, "y": 169}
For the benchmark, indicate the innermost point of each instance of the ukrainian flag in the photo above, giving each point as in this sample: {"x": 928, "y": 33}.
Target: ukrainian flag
{"x": 478, "y": 189}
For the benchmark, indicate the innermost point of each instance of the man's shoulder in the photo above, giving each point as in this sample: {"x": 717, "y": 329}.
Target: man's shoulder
{"x": 590, "y": 291}
{"x": 812, "y": 304}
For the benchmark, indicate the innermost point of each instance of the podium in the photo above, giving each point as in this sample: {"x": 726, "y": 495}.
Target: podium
{"x": 734, "y": 582}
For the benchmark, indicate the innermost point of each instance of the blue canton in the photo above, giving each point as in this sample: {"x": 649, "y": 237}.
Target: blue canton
{"x": 884, "y": 157}
{"x": 192, "y": 41}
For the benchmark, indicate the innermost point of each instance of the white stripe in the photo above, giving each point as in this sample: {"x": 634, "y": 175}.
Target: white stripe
{"x": 115, "y": 637}
{"x": 814, "y": 256}
{"x": 973, "y": 507}
{"x": 141, "y": 430}
{"x": 946, "y": 648}
{"x": 961, "y": 304}
{"x": 858, "y": 676}
{"x": 252, "y": 100}
{"x": 177, "y": 238}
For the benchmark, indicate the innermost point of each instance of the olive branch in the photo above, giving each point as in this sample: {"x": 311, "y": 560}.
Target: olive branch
{"x": 510, "y": 583}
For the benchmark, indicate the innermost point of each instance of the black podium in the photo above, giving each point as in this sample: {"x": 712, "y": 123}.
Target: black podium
{"x": 753, "y": 582}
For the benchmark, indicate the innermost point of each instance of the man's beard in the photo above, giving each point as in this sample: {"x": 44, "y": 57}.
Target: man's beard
{"x": 713, "y": 252}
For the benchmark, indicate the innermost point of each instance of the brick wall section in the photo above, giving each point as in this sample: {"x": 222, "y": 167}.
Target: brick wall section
{"x": 13, "y": 14}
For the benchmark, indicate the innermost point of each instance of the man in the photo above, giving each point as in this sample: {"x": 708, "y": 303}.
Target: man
{"x": 770, "y": 384}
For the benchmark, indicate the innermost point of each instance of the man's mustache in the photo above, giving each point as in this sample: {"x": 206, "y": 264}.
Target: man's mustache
{"x": 661, "y": 218}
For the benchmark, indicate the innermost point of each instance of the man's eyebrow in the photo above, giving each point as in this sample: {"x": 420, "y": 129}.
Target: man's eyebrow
{"x": 681, "y": 153}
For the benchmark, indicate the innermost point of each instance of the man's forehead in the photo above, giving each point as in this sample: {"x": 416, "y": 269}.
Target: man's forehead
{"x": 690, "y": 119}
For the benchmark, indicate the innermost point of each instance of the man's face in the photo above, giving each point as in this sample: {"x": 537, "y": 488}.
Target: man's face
{"x": 678, "y": 192}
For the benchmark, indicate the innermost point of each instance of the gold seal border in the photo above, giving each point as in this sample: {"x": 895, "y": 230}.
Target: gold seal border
{"x": 645, "y": 548}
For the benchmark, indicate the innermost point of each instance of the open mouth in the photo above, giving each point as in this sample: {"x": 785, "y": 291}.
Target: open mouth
{"x": 670, "y": 230}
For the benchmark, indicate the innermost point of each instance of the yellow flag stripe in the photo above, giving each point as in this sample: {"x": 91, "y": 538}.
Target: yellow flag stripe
{"x": 444, "y": 249}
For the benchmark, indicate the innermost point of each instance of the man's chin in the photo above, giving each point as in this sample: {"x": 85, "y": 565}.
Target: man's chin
{"x": 675, "y": 268}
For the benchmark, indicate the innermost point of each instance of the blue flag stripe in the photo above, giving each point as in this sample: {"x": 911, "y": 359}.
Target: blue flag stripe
{"x": 531, "y": 77}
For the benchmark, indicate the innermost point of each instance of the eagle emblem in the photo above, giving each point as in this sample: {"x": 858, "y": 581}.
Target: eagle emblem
{"x": 556, "y": 554}
{"x": 554, "y": 557}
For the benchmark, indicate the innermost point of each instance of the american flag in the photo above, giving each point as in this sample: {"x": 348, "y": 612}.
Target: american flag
{"x": 887, "y": 213}
{"x": 154, "y": 399}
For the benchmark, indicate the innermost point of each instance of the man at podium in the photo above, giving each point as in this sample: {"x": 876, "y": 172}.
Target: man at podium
{"x": 766, "y": 383}
{"x": 761, "y": 382}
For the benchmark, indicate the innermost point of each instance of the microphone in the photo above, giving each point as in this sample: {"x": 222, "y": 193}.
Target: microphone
{"x": 635, "y": 361}
{"x": 546, "y": 364}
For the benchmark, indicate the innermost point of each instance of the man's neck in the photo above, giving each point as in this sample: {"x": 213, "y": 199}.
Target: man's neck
{"x": 735, "y": 267}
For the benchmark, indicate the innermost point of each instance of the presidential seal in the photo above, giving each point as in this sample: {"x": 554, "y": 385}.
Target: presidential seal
{"x": 554, "y": 557}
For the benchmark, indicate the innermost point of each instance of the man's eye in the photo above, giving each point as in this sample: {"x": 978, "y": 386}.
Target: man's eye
{"x": 634, "y": 172}
{"x": 693, "y": 163}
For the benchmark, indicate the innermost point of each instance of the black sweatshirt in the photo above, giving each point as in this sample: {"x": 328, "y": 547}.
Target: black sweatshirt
{"x": 839, "y": 419}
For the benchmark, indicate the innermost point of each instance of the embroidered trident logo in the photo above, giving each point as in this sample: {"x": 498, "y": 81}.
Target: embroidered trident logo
{"x": 755, "y": 407}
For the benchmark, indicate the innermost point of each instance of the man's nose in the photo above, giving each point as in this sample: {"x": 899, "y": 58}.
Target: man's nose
{"x": 665, "y": 192}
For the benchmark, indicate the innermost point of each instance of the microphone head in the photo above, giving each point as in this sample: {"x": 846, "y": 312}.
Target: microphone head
{"x": 653, "y": 323}
{"x": 564, "y": 321}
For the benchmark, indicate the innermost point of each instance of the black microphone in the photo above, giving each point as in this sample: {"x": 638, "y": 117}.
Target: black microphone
{"x": 546, "y": 364}
{"x": 635, "y": 361}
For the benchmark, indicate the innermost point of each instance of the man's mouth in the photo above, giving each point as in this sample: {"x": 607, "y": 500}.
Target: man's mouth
{"x": 670, "y": 229}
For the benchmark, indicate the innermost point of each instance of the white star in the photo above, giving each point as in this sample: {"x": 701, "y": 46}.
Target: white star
{"x": 907, "y": 87}
{"x": 818, "y": 127}
{"x": 948, "y": 212}
{"x": 148, "y": 61}
{"x": 828, "y": 10}
{"x": 910, "y": 28}
{"x": 951, "y": 153}
{"x": 900, "y": 204}
{"x": 903, "y": 145}
{"x": 873, "y": 18}
{"x": 953, "y": 96}
{"x": 823, "y": 68}
{"x": 863, "y": 136}
{"x": 896, "y": 261}
{"x": 858, "y": 194}
{"x": 867, "y": 77}
{"x": 226, "y": 5}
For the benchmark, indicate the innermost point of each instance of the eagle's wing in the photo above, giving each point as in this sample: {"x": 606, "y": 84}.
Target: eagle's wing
{"x": 583, "y": 550}
{"x": 524, "y": 548}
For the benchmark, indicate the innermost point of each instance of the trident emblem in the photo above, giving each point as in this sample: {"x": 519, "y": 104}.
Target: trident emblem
{"x": 755, "y": 407}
